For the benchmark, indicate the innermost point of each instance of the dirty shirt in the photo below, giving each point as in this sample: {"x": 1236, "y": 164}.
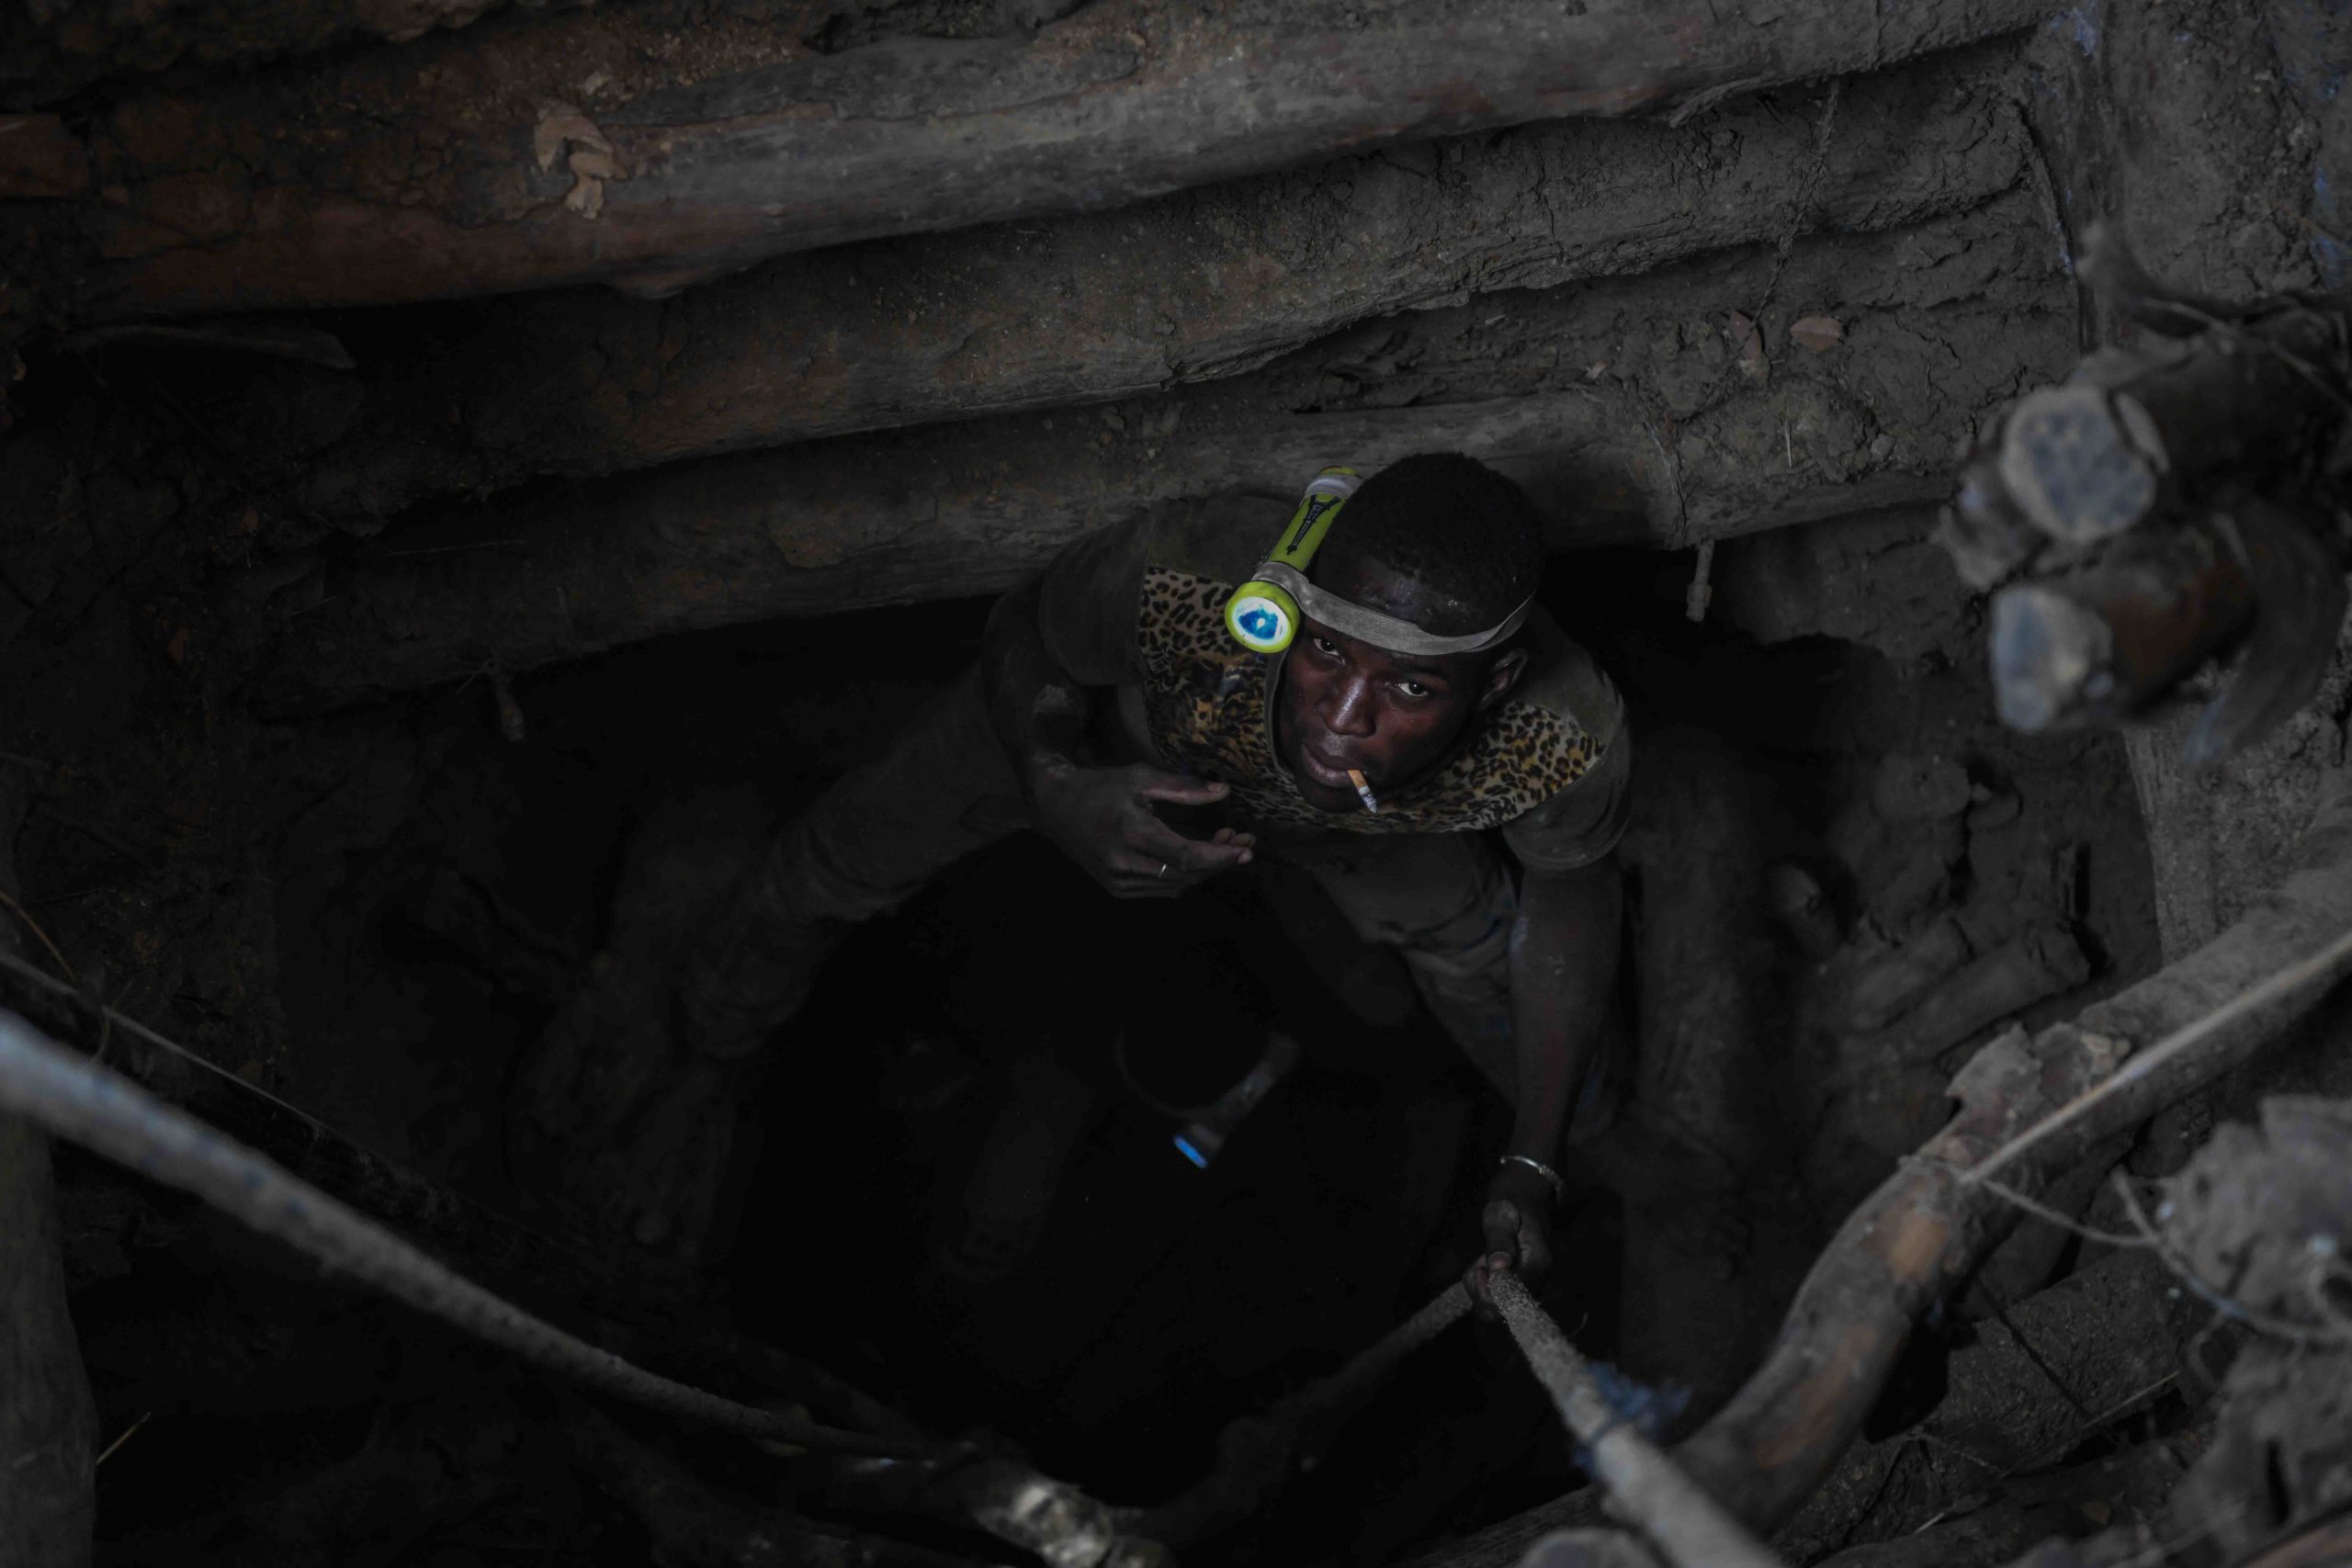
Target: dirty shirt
{"x": 1140, "y": 608}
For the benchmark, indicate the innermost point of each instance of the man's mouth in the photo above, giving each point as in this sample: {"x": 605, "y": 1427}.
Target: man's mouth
{"x": 1329, "y": 775}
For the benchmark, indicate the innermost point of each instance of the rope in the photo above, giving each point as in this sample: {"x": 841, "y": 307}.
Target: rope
{"x": 1690, "y": 1527}
{"x": 101, "y": 1110}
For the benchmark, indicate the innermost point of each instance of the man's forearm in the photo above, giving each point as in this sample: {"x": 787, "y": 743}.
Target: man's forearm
{"x": 1039, "y": 710}
{"x": 1563, "y": 964}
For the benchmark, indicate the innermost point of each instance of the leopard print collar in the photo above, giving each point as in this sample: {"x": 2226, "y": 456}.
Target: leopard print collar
{"x": 1205, "y": 705}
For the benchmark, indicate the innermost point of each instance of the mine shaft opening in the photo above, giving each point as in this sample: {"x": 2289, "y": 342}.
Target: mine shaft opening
{"x": 958, "y": 1181}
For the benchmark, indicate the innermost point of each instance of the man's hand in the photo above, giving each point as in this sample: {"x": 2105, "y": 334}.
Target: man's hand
{"x": 1517, "y": 1225}
{"x": 1102, "y": 819}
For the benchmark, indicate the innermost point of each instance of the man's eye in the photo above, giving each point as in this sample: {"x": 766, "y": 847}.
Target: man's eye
{"x": 1325, "y": 647}
{"x": 1412, "y": 688}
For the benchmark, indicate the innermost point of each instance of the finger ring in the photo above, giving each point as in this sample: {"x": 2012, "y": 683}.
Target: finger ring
{"x": 1163, "y": 868}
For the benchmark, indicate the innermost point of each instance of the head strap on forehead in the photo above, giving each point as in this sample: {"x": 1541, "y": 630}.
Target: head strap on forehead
{"x": 1350, "y": 620}
{"x": 1264, "y": 613}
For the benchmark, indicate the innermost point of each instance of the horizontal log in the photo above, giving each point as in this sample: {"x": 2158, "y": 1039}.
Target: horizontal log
{"x": 1620, "y": 409}
{"x": 1187, "y": 287}
{"x": 304, "y": 190}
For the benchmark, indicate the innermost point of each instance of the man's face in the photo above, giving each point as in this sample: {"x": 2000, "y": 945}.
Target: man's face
{"x": 1345, "y": 704}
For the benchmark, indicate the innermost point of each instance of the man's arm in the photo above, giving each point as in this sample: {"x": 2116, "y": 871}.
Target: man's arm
{"x": 1563, "y": 964}
{"x": 1041, "y": 711}
{"x": 1102, "y": 817}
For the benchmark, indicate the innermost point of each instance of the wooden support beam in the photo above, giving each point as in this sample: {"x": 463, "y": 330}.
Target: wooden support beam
{"x": 2107, "y": 641}
{"x": 2098, "y": 644}
{"x": 2236, "y": 395}
{"x": 1622, "y": 408}
{"x": 2118, "y": 516}
{"x": 307, "y": 190}
{"x": 1187, "y": 287}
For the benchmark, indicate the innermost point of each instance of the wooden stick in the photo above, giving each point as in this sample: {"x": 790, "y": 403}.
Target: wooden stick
{"x": 2099, "y": 643}
{"x": 1689, "y": 1527}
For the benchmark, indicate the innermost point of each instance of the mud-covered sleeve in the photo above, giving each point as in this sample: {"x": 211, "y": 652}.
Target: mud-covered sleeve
{"x": 1086, "y": 605}
{"x": 1583, "y": 819}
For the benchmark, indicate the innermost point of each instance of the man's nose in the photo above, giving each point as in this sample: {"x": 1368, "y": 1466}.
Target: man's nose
{"x": 1348, "y": 710}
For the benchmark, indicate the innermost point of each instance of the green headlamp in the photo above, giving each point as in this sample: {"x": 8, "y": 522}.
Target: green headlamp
{"x": 1264, "y": 613}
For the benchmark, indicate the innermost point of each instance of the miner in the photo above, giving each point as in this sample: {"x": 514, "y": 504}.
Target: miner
{"x": 1362, "y": 686}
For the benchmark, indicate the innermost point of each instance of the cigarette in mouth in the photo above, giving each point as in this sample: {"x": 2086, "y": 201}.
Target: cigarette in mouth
{"x": 1371, "y": 801}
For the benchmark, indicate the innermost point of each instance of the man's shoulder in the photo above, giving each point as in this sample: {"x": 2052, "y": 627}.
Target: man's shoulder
{"x": 1578, "y": 808}
{"x": 1564, "y": 679}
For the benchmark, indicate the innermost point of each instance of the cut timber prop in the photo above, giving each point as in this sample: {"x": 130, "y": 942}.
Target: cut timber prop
{"x": 1190, "y": 288}
{"x": 301, "y": 192}
{"x": 2118, "y": 519}
{"x": 2031, "y": 1110}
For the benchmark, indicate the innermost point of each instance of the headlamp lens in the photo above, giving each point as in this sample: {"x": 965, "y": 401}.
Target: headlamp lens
{"x": 1261, "y": 618}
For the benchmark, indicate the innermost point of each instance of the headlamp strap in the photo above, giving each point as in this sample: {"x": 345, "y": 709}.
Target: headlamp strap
{"x": 1264, "y": 613}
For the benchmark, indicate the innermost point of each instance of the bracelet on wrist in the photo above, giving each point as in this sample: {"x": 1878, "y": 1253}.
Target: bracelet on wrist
{"x": 1551, "y": 1178}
